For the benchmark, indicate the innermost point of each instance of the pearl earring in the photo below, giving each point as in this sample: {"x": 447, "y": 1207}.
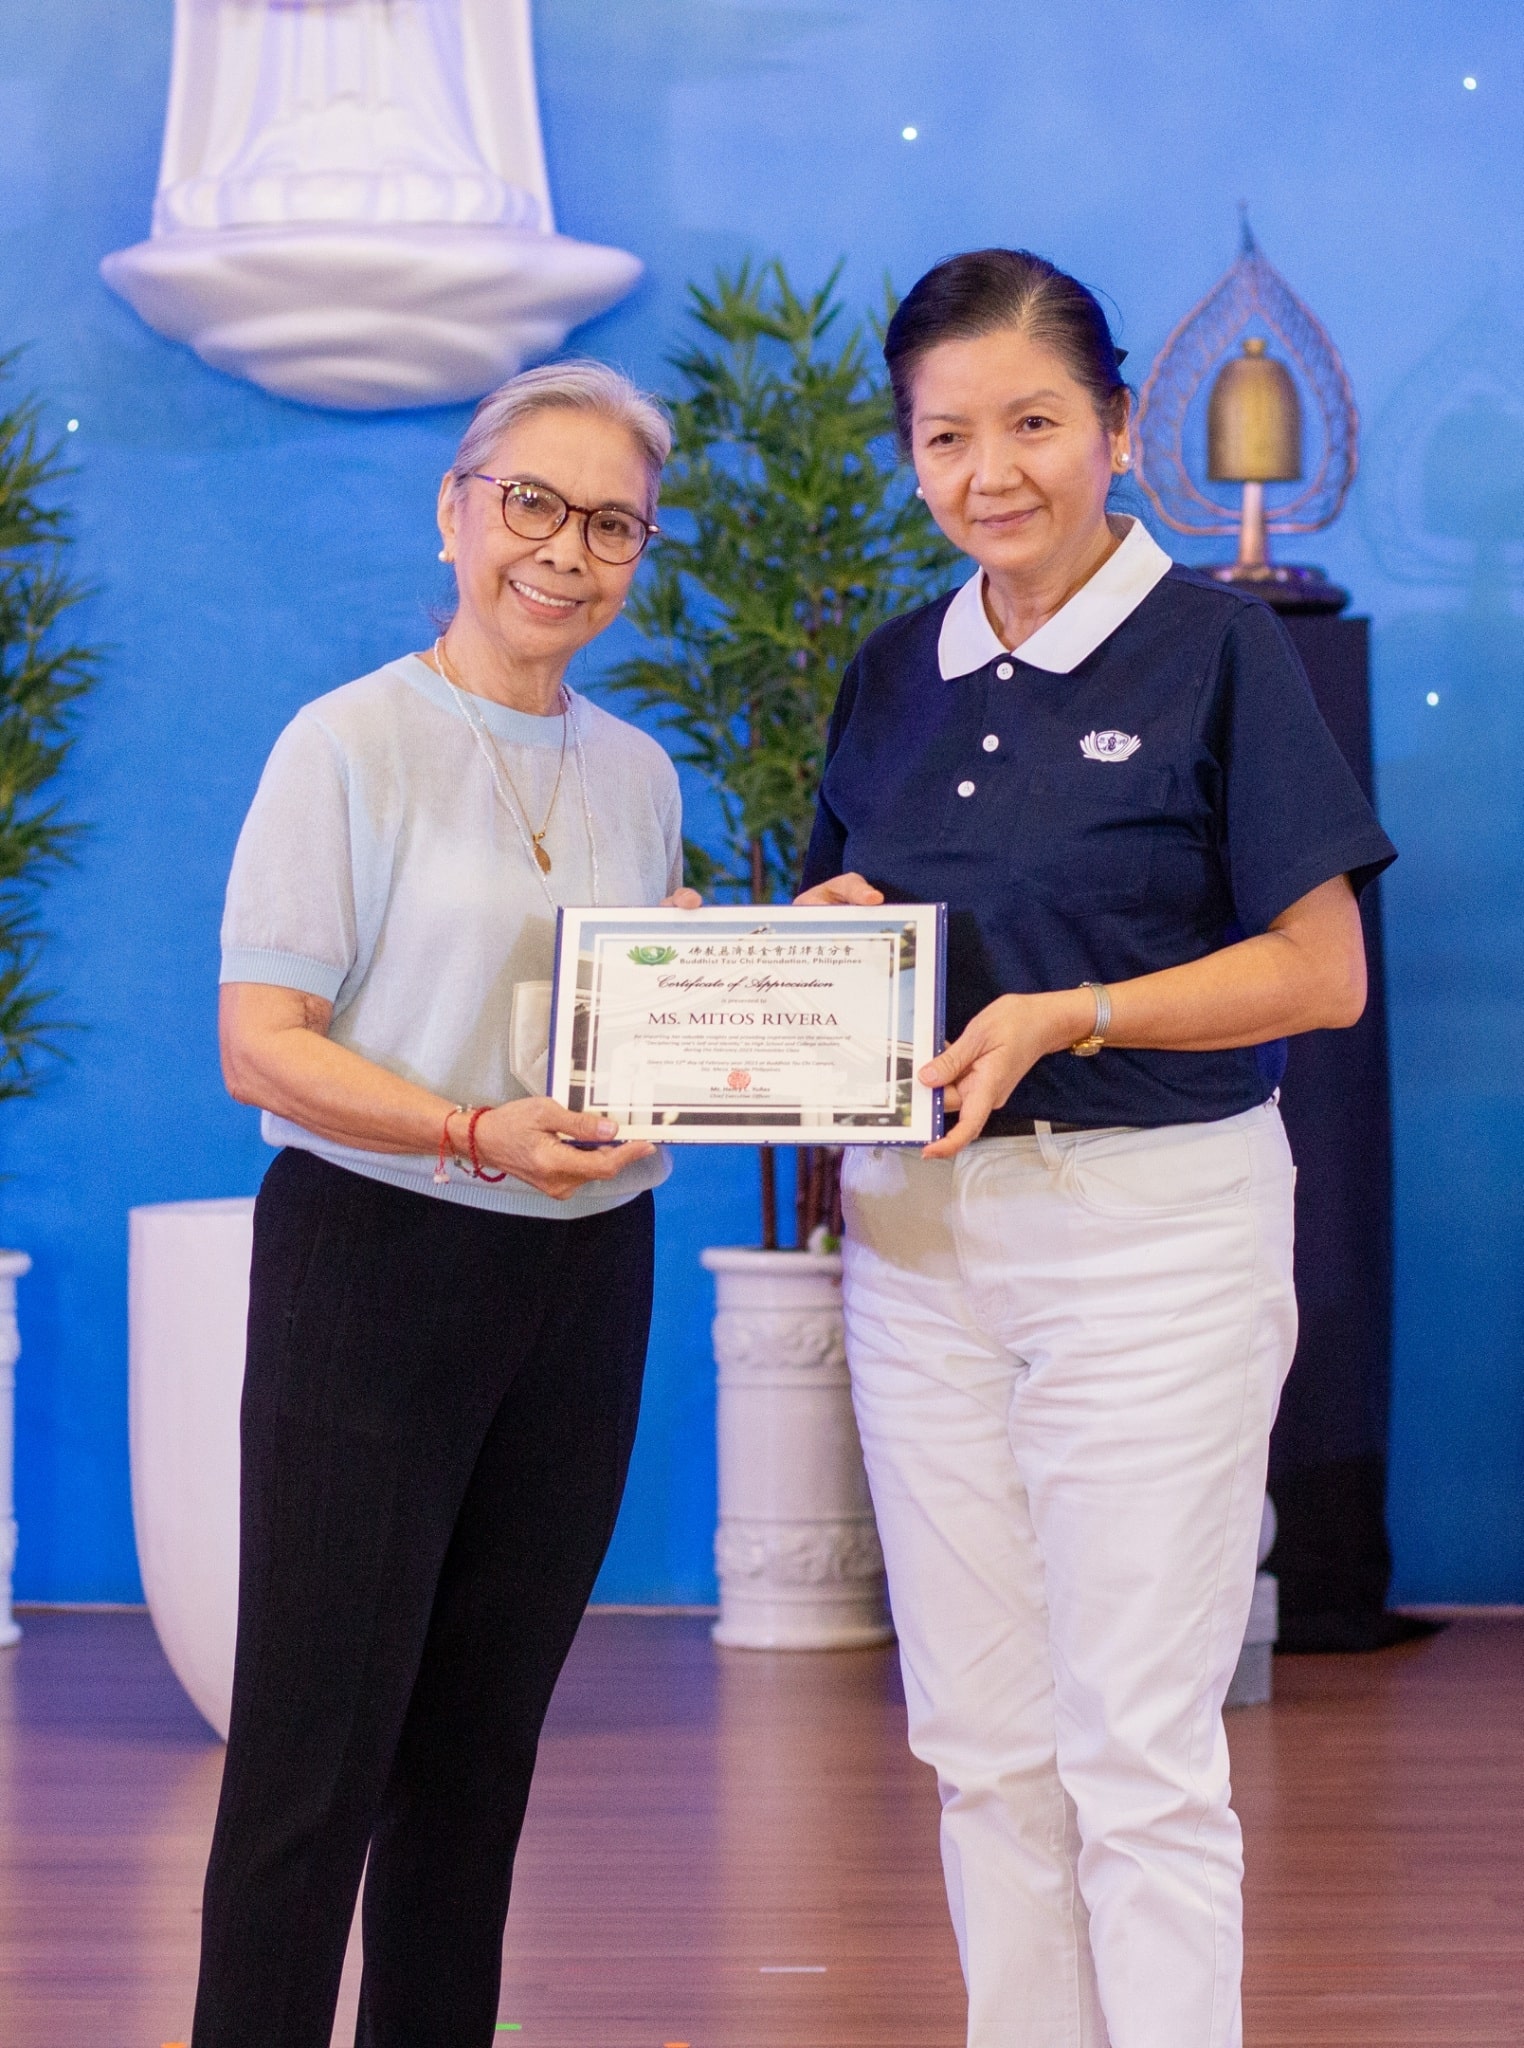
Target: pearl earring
{"x": 444, "y": 554}
{"x": 919, "y": 492}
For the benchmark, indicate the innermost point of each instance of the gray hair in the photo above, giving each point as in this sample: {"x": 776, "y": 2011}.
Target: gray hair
{"x": 580, "y": 385}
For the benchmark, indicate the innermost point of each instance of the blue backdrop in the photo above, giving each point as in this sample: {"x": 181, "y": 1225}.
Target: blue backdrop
{"x": 249, "y": 554}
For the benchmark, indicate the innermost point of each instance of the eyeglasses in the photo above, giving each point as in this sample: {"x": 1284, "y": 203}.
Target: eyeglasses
{"x": 535, "y": 512}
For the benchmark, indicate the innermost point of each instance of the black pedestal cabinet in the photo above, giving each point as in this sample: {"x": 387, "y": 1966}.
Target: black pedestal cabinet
{"x": 1328, "y": 1453}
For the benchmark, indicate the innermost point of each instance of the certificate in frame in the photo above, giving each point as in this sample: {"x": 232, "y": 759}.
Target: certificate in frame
{"x": 751, "y": 1024}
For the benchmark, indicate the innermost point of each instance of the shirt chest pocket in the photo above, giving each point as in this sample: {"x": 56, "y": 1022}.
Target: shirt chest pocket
{"x": 1087, "y": 831}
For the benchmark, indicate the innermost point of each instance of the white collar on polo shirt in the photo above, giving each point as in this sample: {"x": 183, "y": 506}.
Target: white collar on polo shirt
{"x": 968, "y": 641}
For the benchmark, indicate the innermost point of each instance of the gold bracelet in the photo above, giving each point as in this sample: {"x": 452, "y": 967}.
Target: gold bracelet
{"x": 1086, "y": 1048}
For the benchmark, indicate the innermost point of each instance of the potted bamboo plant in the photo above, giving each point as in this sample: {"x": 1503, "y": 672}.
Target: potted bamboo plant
{"x": 790, "y": 531}
{"x": 42, "y": 676}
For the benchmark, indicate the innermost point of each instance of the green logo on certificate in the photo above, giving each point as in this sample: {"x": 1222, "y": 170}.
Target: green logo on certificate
{"x": 653, "y": 956}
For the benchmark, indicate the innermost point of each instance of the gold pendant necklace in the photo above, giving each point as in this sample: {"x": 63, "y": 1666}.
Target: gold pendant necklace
{"x": 495, "y": 761}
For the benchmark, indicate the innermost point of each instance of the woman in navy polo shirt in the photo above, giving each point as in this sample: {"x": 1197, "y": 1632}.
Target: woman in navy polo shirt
{"x": 1069, "y": 1320}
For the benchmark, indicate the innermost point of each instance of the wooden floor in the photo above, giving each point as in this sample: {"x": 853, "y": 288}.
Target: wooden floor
{"x": 732, "y": 1850}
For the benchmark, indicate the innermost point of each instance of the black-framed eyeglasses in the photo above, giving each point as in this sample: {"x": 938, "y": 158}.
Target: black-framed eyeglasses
{"x": 534, "y": 512}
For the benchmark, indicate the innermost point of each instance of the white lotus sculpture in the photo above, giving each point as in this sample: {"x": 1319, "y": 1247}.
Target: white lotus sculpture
{"x": 353, "y": 208}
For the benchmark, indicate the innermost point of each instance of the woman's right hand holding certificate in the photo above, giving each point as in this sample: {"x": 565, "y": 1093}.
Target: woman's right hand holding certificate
{"x": 856, "y": 890}
{"x": 276, "y": 1052}
{"x": 538, "y": 1142}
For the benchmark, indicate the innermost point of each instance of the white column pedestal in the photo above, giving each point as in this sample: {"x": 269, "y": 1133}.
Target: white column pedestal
{"x": 1253, "y": 1682}
{"x": 1252, "y": 1679}
{"x": 12, "y": 1266}
{"x": 796, "y": 1549}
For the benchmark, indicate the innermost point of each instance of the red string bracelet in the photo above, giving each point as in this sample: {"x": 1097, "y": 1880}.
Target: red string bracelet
{"x": 479, "y": 1171}
{"x": 441, "y": 1171}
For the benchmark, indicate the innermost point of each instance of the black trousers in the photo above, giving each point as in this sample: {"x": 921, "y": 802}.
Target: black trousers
{"x": 438, "y": 1412}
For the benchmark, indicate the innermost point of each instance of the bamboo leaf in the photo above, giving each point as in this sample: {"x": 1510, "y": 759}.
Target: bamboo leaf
{"x": 43, "y": 676}
{"x": 791, "y": 532}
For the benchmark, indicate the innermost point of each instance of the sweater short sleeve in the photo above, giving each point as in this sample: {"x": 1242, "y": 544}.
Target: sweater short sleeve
{"x": 1294, "y": 815}
{"x": 289, "y": 919}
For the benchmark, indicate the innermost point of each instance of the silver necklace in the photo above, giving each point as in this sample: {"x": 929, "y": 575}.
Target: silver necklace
{"x": 486, "y": 746}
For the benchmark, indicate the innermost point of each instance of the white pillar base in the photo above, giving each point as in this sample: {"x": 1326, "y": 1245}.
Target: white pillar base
{"x": 1251, "y": 1685}
{"x": 1252, "y": 1681}
{"x": 12, "y": 1266}
{"x": 796, "y": 1550}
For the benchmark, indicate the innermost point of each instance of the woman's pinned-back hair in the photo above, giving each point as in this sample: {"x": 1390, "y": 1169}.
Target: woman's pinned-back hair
{"x": 988, "y": 289}
{"x": 580, "y": 385}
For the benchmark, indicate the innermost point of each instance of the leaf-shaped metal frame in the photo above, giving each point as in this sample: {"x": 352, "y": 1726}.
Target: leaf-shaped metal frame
{"x": 1478, "y": 358}
{"x": 1251, "y": 291}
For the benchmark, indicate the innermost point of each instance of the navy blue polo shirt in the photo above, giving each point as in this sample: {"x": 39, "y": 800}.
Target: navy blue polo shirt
{"x": 1146, "y": 781}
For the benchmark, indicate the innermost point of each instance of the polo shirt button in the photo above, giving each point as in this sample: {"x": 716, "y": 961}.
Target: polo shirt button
{"x": 1005, "y": 671}
{"x": 991, "y": 741}
{"x": 965, "y": 789}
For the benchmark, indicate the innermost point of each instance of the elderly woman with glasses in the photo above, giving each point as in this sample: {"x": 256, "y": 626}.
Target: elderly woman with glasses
{"x": 451, "y": 1282}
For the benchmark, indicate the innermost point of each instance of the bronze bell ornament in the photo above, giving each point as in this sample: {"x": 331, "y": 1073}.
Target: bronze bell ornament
{"x": 1254, "y": 438}
{"x": 1255, "y": 429}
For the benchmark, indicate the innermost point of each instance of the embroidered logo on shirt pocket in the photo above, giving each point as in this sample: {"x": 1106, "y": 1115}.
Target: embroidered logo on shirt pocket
{"x": 1110, "y": 746}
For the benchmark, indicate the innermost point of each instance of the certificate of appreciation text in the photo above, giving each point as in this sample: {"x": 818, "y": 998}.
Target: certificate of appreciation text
{"x": 751, "y": 1025}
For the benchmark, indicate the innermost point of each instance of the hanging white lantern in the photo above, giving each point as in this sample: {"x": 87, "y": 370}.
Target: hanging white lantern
{"x": 353, "y": 208}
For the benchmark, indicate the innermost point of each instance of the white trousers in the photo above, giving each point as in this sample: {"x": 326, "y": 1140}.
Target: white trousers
{"x": 1066, "y": 1355}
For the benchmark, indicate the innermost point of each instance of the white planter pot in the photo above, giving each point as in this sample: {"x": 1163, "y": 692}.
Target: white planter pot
{"x": 796, "y": 1549}
{"x": 188, "y": 1290}
{"x": 12, "y": 1266}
